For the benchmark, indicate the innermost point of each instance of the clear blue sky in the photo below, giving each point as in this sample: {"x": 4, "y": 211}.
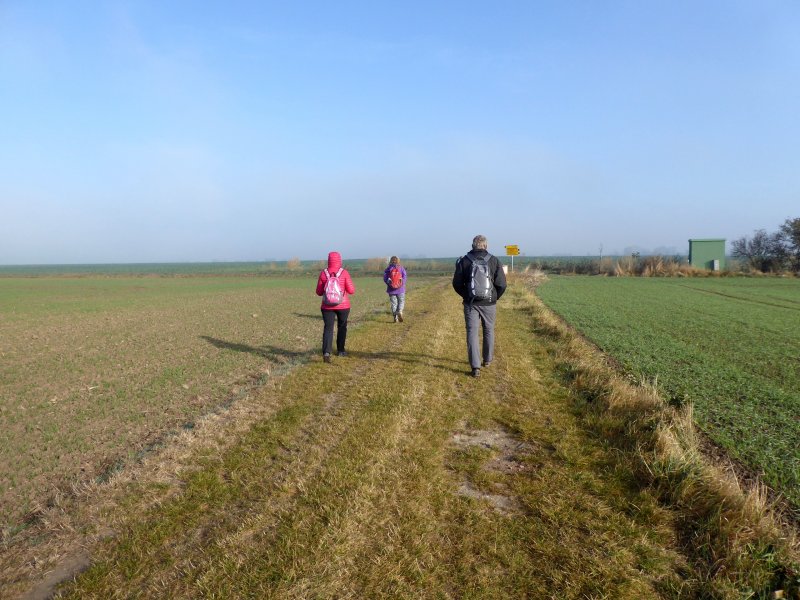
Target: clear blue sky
{"x": 158, "y": 131}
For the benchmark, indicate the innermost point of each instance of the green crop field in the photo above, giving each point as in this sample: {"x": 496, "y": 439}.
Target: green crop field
{"x": 97, "y": 370}
{"x": 729, "y": 346}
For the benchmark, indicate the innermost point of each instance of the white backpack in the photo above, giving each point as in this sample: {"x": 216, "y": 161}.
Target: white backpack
{"x": 334, "y": 291}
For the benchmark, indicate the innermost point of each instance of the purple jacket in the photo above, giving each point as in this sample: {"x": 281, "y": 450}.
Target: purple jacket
{"x": 389, "y": 289}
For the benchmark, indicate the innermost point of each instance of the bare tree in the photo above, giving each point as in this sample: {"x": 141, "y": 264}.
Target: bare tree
{"x": 764, "y": 251}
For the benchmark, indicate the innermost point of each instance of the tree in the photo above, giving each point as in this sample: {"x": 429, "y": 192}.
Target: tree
{"x": 790, "y": 237}
{"x": 764, "y": 251}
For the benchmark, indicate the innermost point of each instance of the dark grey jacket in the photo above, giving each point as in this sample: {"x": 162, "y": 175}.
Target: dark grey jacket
{"x": 464, "y": 270}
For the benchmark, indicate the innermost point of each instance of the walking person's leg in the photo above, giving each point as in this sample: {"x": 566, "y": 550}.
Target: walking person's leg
{"x": 328, "y": 319}
{"x": 393, "y": 302}
{"x": 341, "y": 330}
{"x": 473, "y": 323}
{"x": 488, "y": 317}
{"x": 401, "y": 304}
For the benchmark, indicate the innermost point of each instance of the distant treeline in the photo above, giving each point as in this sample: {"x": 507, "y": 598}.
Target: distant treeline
{"x": 578, "y": 265}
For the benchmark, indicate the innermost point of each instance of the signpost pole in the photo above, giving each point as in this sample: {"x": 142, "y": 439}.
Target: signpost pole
{"x": 512, "y": 251}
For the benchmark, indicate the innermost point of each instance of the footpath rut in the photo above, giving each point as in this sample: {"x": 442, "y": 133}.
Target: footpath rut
{"x": 392, "y": 473}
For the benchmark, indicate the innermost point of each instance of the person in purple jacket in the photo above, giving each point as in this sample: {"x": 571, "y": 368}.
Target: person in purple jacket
{"x": 395, "y": 279}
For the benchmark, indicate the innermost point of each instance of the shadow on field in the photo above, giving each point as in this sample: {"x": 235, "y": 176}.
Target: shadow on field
{"x": 282, "y": 355}
{"x": 316, "y": 317}
{"x": 411, "y": 358}
{"x": 273, "y": 353}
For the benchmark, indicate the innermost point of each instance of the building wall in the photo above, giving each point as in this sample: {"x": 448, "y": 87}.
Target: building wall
{"x": 703, "y": 253}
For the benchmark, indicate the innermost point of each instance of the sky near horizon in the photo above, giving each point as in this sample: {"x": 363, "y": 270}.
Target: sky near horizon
{"x": 145, "y": 131}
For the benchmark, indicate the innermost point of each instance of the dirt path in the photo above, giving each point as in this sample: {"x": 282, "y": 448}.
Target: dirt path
{"x": 391, "y": 473}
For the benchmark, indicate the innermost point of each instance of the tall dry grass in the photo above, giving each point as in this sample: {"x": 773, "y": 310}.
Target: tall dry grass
{"x": 654, "y": 266}
{"x": 375, "y": 265}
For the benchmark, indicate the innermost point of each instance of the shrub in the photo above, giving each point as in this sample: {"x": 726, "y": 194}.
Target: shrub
{"x": 375, "y": 265}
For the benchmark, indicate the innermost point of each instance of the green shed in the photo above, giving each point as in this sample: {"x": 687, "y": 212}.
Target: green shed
{"x": 707, "y": 254}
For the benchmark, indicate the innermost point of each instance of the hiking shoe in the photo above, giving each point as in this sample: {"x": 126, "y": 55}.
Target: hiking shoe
{"x": 486, "y": 364}
{"x": 326, "y": 358}
{"x": 341, "y": 353}
{"x": 476, "y": 372}
{"x": 400, "y": 316}
{"x": 395, "y": 318}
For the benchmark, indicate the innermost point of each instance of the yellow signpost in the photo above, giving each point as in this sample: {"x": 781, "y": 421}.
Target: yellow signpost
{"x": 512, "y": 251}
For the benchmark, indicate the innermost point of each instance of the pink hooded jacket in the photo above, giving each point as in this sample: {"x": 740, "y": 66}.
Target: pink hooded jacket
{"x": 334, "y": 264}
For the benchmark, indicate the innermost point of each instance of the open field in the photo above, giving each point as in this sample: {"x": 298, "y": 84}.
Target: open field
{"x": 141, "y": 269}
{"x": 729, "y": 346}
{"x": 97, "y": 371}
{"x": 291, "y": 268}
{"x": 391, "y": 473}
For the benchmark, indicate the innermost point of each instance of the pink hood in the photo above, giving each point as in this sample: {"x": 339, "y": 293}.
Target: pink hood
{"x": 334, "y": 262}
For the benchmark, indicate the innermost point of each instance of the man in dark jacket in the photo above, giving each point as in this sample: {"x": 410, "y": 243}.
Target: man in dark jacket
{"x": 480, "y": 280}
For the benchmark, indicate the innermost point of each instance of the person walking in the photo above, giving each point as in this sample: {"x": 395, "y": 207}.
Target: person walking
{"x": 395, "y": 279}
{"x": 480, "y": 280}
{"x": 335, "y": 286}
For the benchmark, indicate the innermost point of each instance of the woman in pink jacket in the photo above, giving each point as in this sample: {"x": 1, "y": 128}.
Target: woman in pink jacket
{"x": 335, "y": 286}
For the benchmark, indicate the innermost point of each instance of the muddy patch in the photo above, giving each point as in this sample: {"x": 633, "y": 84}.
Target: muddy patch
{"x": 508, "y": 458}
{"x": 67, "y": 568}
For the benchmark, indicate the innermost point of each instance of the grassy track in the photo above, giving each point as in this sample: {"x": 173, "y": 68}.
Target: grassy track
{"x": 392, "y": 474}
{"x": 729, "y": 346}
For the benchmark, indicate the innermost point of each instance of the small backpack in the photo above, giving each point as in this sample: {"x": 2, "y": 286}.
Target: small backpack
{"x": 395, "y": 278}
{"x": 480, "y": 282}
{"x": 334, "y": 292}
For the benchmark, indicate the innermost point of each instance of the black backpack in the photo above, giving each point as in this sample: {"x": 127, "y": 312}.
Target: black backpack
{"x": 479, "y": 285}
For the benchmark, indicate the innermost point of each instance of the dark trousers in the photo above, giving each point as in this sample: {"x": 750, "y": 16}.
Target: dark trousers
{"x": 329, "y": 316}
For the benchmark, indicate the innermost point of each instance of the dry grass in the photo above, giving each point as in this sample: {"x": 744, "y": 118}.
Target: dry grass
{"x": 375, "y": 265}
{"x": 654, "y": 266}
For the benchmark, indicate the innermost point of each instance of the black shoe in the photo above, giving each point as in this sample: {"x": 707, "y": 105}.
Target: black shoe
{"x": 326, "y": 358}
{"x": 476, "y": 372}
{"x": 341, "y": 353}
